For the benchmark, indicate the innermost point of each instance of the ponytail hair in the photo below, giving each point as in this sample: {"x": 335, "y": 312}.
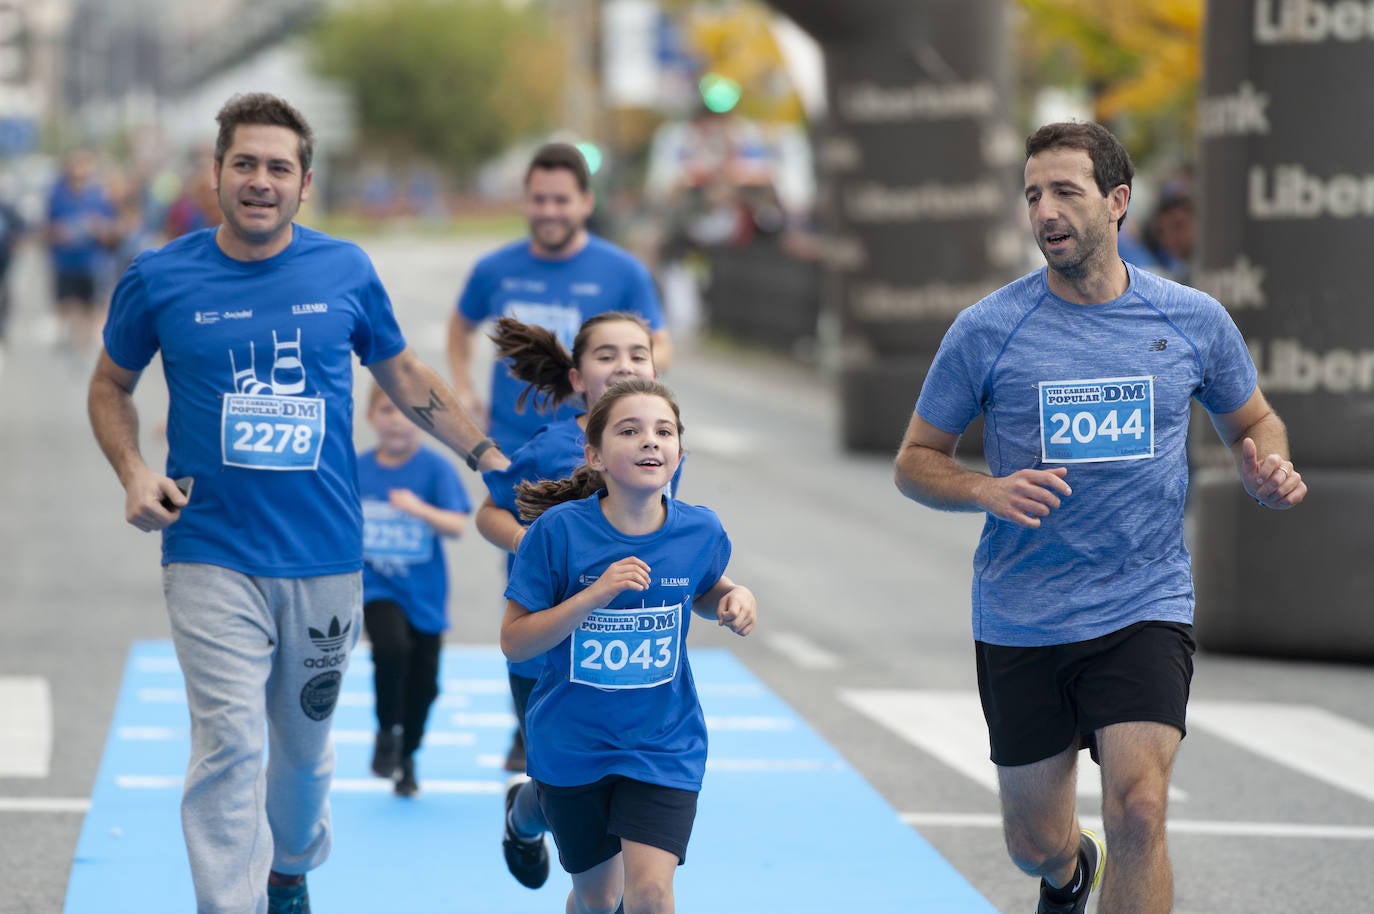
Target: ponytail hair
{"x": 537, "y": 358}
{"x": 534, "y": 498}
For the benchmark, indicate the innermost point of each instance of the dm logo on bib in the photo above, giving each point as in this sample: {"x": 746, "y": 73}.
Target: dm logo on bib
{"x": 1096, "y": 420}
{"x": 321, "y": 694}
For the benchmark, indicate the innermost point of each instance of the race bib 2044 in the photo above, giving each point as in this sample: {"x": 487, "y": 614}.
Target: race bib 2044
{"x": 1097, "y": 419}
{"x": 627, "y": 648}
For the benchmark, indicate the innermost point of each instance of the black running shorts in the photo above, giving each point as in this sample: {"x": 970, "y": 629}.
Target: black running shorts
{"x": 589, "y": 821}
{"x": 77, "y": 287}
{"x": 1039, "y": 701}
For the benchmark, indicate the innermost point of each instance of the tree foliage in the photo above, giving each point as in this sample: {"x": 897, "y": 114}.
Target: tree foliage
{"x": 1139, "y": 60}
{"x": 454, "y": 81}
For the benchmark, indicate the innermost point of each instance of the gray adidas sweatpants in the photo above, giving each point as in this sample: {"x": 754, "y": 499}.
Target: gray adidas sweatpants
{"x": 263, "y": 659}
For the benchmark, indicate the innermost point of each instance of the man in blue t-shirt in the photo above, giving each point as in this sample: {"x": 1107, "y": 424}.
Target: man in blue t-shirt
{"x": 257, "y": 322}
{"x": 1084, "y": 372}
{"x": 80, "y": 222}
{"x": 557, "y": 277}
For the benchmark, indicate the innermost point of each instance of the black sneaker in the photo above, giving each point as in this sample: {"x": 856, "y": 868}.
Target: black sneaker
{"x": 386, "y": 755}
{"x": 1092, "y": 859}
{"x": 526, "y": 858}
{"x": 406, "y": 785}
{"x": 515, "y": 756}
{"x": 288, "y": 899}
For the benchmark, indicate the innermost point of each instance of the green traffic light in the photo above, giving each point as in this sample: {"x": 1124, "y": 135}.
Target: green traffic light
{"x": 719, "y": 93}
{"x": 592, "y": 153}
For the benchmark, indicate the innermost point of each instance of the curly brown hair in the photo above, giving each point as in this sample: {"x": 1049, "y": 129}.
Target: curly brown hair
{"x": 263, "y": 109}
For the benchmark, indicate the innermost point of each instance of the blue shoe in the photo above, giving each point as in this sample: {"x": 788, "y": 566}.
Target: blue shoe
{"x": 288, "y": 899}
{"x": 1092, "y": 860}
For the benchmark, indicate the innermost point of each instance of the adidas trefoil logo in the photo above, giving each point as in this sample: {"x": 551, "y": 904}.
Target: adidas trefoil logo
{"x": 333, "y": 639}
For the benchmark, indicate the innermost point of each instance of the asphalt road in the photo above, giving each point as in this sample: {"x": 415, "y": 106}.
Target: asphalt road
{"x": 864, "y": 627}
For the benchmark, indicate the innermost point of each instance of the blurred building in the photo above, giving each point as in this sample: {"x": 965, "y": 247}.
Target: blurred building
{"x": 149, "y": 76}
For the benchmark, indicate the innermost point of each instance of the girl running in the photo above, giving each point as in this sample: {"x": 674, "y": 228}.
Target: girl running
{"x": 603, "y": 587}
{"x": 609, "y": 347}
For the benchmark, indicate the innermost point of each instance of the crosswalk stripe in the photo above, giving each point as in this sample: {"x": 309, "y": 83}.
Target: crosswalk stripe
{"x": 1176, "y": 826}
{"x": 1312, "y": 740}
{"x": 802, "y": 651}
{"x": 949, "y": 726}
{"x": 25, "y": 727}
{"x": 45, "y": 804}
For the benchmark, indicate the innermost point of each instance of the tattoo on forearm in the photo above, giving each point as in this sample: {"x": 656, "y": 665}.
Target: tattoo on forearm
{"x": 424, "y": 412}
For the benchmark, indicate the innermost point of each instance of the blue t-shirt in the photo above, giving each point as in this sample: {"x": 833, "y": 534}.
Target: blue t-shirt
{"x": 1104, "y": 389}
{"x": 77, "y": 214}
{"x": 617, "y": 696}
{"x": 558, "y": 295}
{"x": 553, "y": 453}
{"x": 403, "y": 558}
{"x": 258, "y": 358}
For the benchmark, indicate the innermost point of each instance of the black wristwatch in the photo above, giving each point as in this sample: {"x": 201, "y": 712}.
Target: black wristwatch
{"x": 478, "y": 450}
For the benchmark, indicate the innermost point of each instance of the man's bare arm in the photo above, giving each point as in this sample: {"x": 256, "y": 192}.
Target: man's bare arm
{"x": 432, "y": 405}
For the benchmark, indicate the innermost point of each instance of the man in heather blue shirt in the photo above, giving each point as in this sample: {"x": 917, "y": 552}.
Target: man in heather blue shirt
{"x": 1084, "y": 371}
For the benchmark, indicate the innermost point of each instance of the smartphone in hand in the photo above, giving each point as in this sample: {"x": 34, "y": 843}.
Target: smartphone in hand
{"x": 184, "y": 484}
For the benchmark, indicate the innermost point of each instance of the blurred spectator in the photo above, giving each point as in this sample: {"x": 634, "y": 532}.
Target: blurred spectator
{"x": 1170, "y": 235}
{"x": 196, "y": 206}
{"x": 11, "y": 229}
{"x": 80, "y": 223}
{"x": 735, "y": 221}
{"x": 129, "y": 232}
{"x": 1164, "y": 245}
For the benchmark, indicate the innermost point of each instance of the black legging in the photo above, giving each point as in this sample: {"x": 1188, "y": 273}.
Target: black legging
{"x": 405, "y": 664}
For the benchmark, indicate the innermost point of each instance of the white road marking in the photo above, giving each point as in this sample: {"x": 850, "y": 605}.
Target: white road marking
{"x": 721, "y": 723}
{"x": 949, "y": 726}
{"x": 772, "y": 765}
{"x": 45, "y": 804}
{"x": 802, "y": 651}
{"x": 1312, "y": 740}
{"x": 1176, "y": 826}
{"x": 721, "y": 441}
{"x": 157, "y": 665}
{"x": 25, "y": 727}
{"x": 339, "y": 785}
{"x": 432, "y": 737}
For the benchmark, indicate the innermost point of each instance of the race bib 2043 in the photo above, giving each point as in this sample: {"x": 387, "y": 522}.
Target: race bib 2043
{"x": 1097, "y": 419}
{"x": 627, "y": 648}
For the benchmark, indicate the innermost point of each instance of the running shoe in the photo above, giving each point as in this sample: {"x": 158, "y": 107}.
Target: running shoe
{"x": 1092, "y": 860}
{"x": 526, "y": 858}
{"x": 386, "y": 755}
{"x": 406, "y": 785}
{"x": 288, "y": 899}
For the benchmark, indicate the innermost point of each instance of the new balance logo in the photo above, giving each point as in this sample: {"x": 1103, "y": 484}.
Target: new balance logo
{"x": 1158, "y": 345}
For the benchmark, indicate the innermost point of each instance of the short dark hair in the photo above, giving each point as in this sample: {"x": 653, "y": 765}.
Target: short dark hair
{"x": 1111, "y": 163}
{"x": 263, "y": 109}
{"x": 552, "y": 156}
